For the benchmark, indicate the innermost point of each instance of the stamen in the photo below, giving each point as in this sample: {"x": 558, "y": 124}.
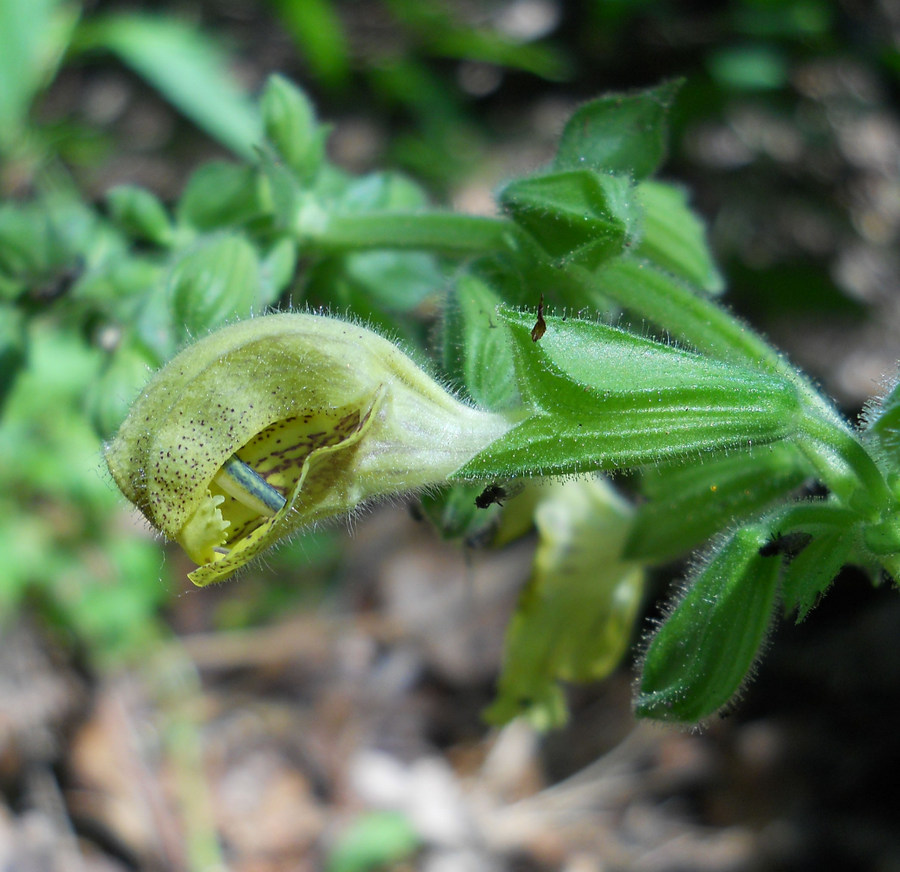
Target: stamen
{"x": 247, "y": 487}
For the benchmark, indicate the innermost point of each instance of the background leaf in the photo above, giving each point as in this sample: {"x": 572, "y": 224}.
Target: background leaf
{"x": 619, "y": 132}
{"x": 33, "y": 37}
{"x": 478, "y": 352}
{"x": 674, "y": 237}
{"x": 187, "y": 66}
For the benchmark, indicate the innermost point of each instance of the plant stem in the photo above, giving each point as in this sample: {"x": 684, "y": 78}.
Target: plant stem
{"x": 683, "y": 312}
{"x": 834, "y": 451}
{"x": 807, "y": 516}
{"x": 442, "y": 232}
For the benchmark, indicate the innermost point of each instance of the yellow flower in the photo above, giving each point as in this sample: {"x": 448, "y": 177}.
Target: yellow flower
{"x": 278, "y": 422}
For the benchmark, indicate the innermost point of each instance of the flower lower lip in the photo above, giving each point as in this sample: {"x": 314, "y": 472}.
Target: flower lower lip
{"x": 240, "y": 481}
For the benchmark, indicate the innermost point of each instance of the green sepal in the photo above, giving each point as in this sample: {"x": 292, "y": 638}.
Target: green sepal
{"x": 809, "y": 575}
{"x": 484, "y": 515}
{"x": 140, "y": 214}
{"x": 597, "y": 397}
{"x": 476, "y": 345}
{"x": 674, "y": 237}
{"x": 576, "y": 215}
{"x": 619, "y": 132}
{"x": 687, "y": 503}
{"x": 576, "y": 615}
{"x": 705, "y": 649}
{"x": 882, "y": 430}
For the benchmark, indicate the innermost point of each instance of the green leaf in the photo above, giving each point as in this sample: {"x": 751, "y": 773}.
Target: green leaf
{"x": 220, "y": 194}
{"x": 119, "y": 284}
{"x": 381, "y": 191}
{"x": 12, "y": 348}
{"x": 24, "y": 247}
{"x": 396, "y": 280}
{"x": 579, "y": 215}
{"x": 316, "y": 28}
{"x": 34, "y": 36}
{"x": 140, "y": 213}
{"x": 442, "y": 32}
{"x": 706, "y": 647}
{"x": 619, "y": 132}
{"x": 575, "y": 617}
{"x": 276, "y": 270}
{"x": 189, "y": 69}
{"x": 758, "y": 67}
{"x": 154, "y": 325}
{"x": 111, "y": 395}
{"x": 46, "y": 243}
{"x": 477, "y": 349}
{"x": 675, "y": 238}
{"x": 689, "y": 502}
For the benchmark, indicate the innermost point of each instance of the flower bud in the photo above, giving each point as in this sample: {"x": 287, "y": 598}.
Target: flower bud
{"x": 579, "y": 215}
{"x": 290, "y": 124}
{"x": 278, "y": 422}
{"x": 217, "y": 279}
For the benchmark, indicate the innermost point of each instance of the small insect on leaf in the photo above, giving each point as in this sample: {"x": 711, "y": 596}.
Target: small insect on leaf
{"x": 493, "y": 493}
{"x": 788, "y": 545}
{"x": 540, "y": 327}
{"x": 496, "y": 493}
